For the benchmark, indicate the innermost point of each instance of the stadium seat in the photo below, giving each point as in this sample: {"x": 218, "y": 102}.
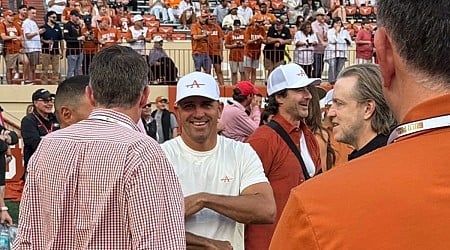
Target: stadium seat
{"x": 277, "y": 5}
{"x": 149, "y": 17}
{"x": 350, "y": 10}
{"x": 165, "y": 29}
{"x": 152, "y": 29}
{"x": 163, "y": 35}
{"x": 152, "y": 23}
{"x": 365, "y": 10}
{"x": 179, "y": 36}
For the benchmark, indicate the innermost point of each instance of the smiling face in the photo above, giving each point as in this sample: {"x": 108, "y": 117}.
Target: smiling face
{"x": 295, "y": 104}
{"x": 346, "y": 113}
{"x": 44, "y": 106}
{"x": 199, "y": 117}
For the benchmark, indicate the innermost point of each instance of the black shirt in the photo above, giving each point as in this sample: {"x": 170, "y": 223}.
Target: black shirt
{"x": 377, "y": 142}
{"x": 54, "y": 34}
{"x": 276, "y": 54}
{"x": 71, "y": 33}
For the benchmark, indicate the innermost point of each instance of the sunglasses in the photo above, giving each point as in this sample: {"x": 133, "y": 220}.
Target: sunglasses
{"x": 147, "y": 106}
{"x": 52, "y": 17}
{"x": 46, "y": 100}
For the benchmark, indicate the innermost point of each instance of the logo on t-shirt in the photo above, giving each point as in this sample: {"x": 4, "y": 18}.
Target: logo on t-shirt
{"x": 226, "y": 179}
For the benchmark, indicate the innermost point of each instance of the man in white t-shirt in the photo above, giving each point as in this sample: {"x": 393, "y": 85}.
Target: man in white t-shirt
{"x": 57, "y": 6}
{"x": 32, "y": 35}
{"x": 223, "y": 181}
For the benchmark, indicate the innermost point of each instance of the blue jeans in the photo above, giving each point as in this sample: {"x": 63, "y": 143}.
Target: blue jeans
{"x": 317, "y": 66}
{"x": 74, "y": 65}
{"x": 202, "y": 61}
{"x": 158, "y": 11}
{"x": 336, "y": 65}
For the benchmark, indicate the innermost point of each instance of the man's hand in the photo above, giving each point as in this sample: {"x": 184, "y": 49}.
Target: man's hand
{"x": 193, "y": 204}
{"x": 218, "y": 244}
{"x": 5, "y": 217}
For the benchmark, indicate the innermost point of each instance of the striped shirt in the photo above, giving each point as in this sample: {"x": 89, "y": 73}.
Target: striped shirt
{"x": 101, "y": 184}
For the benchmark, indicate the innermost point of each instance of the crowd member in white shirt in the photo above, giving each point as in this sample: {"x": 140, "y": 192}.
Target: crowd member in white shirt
{"x": 33, "y": 46}
{"x": 57, "y": 6}
{"x": 228, "y": 20}
{"x": 336, "y": 53}
{"x": 304, "y": 42}
{"x": 158, "y": 8}
{"x": 245, "y": 11}
{"x": 138, "y": 34}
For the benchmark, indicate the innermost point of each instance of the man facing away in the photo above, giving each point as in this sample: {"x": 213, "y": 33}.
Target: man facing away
{"x": 136, "y": 204}
{"x": 397, "y": 196}
{"x": 359, "y": 113}
{"x": 71, "y": 103}
{"x": 222, "y": 180}
{"x": 288, "y": 101}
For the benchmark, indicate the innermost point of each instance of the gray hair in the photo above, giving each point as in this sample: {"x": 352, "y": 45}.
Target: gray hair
{"x": 369, "y": 87}
{"x": 420, "y": 31}
{"x": 118, "y": 75}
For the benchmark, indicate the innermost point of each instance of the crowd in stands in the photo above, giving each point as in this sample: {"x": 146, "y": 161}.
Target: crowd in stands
{"x": 79, "y": 29}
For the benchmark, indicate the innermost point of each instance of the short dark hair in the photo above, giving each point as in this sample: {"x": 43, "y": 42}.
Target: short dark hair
{"x": 422, "y": 40}
{"x": 118, "y": 77}
{"x": 23, "y": 6}
{"x": 51, "y": 12}
{"x": 31, "y": 8}
{"x": 71, "y": 91}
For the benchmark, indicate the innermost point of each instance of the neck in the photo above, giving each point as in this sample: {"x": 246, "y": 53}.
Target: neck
{"x": 146, "y": 117}
{"x": 207, "y": 145}
{"x": 292, "y": 120}
{"x": 45, "y": 115}
{"x": 134, "y": 113}
{"x": 50, "y": 24}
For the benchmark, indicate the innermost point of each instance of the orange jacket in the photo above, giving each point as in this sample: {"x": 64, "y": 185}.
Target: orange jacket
{"x": 396, "y": 197}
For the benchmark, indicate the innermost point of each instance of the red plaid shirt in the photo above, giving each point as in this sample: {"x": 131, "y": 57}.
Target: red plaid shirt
{"x": 101, "y": 184}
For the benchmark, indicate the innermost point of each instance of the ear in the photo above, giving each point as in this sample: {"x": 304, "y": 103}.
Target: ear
{"x": 90, "y": 95}
{"x": 279, "y": 99}
{"x": 221, "y": 105}
{"x": 65, "y": 114}
{"x": 144, "y": 97}
{"x": 385, "y": 54}
{"x": 369, "y": 109}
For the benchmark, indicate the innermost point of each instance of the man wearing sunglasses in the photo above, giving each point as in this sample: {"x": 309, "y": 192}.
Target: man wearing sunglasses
{"x": 51, "y": 51}
{"x": 39, "y": 123}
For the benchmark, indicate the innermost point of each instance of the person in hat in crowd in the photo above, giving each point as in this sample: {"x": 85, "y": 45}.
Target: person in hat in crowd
{"x": 238, "y": 124}
{"x": 222, "y": 179}
{"x": 277, "y": 37}
{"x": 52, "y": 49}
{"x": 288, "y": 101}
{"x": 74, "y": 39}
{"x": 148, "y": 121}
{"x": 90, "y": 45}
{"x": 166, "y": 121}
{"x": 215, "y": 42}
{"x": 200, "y": 48}
{"x": 130, "y": 206}
{"x": 320, "y": 29}
{"x": 137, "y": 35}
{"x": 39, "y": 123}
{"x": 235, "y": 42}
{"x": 228, "y": 20}
{"x": 162, "y": 68}
{"x": 107, "y": 35}
{"x": 32, "y": 36}
{"x": 396, "y": 196}
{"x": 255, "y": 35}
{"x": 359, "y": 112}
{"x": 71, "y": 103}
{"x": 12, "y": 36}
{"x": 7, "y": 138}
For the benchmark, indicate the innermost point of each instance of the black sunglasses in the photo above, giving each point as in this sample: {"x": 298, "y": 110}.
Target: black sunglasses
{"x": 148, "y": 106}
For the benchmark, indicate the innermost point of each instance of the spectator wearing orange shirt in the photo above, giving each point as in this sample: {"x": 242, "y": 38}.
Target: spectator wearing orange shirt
{"x": 107, "y": 36}
{"x": 255, "y": 35}
{"x": 200, "y": 47}
{"x": 173, "y": 10}
{"x": 65, "y": 16}
{"x": 268, "y": 17}
{"x": 234, "y": 41}
{"x": 215, "y": 42}
{"x": 90, "y": 45}
{"x": 21, "y": 16}
{"x": 122, "y": 19}
{"x": 12, "y": 35}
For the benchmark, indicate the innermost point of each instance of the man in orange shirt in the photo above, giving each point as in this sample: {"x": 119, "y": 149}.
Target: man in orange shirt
{"x": 268, "y": 17}
{"x": 122, "y": 19}
{"x": 234, "y": 41}
{"x": 200, "y": 47}
{"x": 21, "y": 16}
{"x": 12, "y": 35}
{"x": 215, "y": 42}
{"x": 254, "y": 37}
{"x": 395, "y": 197}
{"x": 107, "y": 36}
{"x": 90, "y": 45}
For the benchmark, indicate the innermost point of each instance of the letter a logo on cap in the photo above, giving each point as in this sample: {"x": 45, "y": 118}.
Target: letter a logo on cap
{"x": 194, "y": 83}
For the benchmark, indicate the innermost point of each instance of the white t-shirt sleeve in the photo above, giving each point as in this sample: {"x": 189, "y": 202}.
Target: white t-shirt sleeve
{"x": 27, "y": 27}
{"x": 252, "y": 168}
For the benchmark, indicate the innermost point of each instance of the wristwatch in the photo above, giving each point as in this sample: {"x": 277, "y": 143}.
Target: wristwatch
{"x": 4, "y": 209}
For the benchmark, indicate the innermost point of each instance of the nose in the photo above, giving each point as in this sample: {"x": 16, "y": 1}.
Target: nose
{"x": 331, "y": 111}
{"x": 198, "y": 111}
{"x": 307, "y": 94}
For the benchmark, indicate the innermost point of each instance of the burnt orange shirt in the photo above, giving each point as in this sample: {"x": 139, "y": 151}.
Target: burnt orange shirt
{"x": 12, "y": 46}
{"x": 172, "y": 3}
{"x": 253, "y": 50}
{"x": 199, "y": 46}
{"x": 110, "y": 37}
{"x": 122, "y": 22}
{"x": 90, "y": 46}
{"x": 18, "y": 20}
{"x": 236, "y": 54}
{"x": 282, "y": 169}
{"x": 66, "y": 13}
{"x": 396, "y": 197}
{"x": 215, "y": 39}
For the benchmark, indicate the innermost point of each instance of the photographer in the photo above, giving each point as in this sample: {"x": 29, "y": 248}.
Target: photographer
{"x": 304, "y": 42}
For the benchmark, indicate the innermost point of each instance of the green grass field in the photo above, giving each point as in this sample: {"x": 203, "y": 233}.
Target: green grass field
{"x": 13, "y": 209}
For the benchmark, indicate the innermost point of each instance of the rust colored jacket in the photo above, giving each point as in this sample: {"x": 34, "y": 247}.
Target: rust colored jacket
{"x": 283, "y": 170}
{"x": 396, "y": 197}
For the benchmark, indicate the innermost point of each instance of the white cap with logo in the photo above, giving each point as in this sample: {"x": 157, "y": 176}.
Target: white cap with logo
{"x": 197, "y": 84}
{"x": 289, "y": 76}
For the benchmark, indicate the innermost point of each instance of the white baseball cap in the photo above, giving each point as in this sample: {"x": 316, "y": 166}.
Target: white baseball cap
{"x": 157, "y": 39}
{"x": 288, "y": 76}
{"x": 328, "y": 97}
{"x": 197, "y": 84}
{"x": 137, "y": 18}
